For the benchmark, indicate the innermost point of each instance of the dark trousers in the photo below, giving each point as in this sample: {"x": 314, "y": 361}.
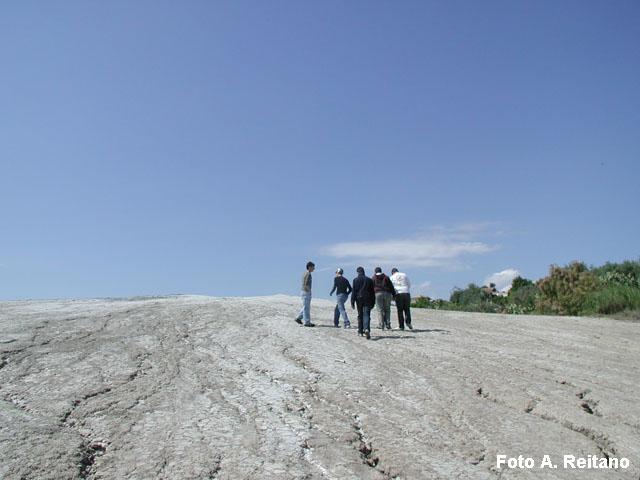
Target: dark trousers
{"x": 403, "y": 304}
{"x": 364, "y": 316}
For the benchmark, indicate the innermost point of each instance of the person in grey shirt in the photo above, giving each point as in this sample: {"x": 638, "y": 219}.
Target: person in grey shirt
{"x": 305, "y": 313}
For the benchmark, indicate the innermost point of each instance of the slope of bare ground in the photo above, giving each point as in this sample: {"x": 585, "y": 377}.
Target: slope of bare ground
{"x": 186, "y": 387}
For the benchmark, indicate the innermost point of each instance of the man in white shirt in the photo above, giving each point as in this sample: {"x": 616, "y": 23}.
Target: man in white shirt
{"x": 403, "y": 297}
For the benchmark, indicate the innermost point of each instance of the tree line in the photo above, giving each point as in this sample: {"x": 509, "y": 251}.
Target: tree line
{"x": 575, "y": 289}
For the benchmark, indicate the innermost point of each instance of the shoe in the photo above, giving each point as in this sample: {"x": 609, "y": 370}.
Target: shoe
{"x": 347, "y": 326}
{"x": 337, "y": 326}
{"x": 388, "y": 327}
{"x": 298, "y": 321}
{"x": 409, "y": 326}
{"x": 367, "y": 334}
{"x": 309, "y": 324}
{"x": 402, "y": 328}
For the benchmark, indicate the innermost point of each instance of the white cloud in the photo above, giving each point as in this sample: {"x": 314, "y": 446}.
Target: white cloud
{"x": 503, "y": 279}
{"x": 441, "y": 247}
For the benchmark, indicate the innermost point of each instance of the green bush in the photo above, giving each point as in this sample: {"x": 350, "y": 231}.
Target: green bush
{"x": 421, "y": 302}
{"x": 575, "y": 289}
{"x": 613, "y": 298}
{"x": 514, "y": 309}
{"x": 437, "y": 304}
{"x": 613, "y": 278}
{"x": 627, "y": 271}
{"x": 566, "y": 290}
{"x": 619, "y": 289}
{"x": 522, "y": 296}
{"x": 475, "y": 299}
{"x": 470, "y": 296}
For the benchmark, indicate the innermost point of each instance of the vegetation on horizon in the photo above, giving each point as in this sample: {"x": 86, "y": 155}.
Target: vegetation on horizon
{"x": 574, "y": 289}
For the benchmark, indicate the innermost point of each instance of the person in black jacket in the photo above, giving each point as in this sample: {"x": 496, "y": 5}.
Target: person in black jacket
{"x": 342, "y": 287}
{"x": 364, "y": 297}
{"x": 384, "y": 292}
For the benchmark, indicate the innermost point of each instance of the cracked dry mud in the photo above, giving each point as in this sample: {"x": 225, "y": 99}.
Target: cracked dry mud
{"x": 186, "y": 387}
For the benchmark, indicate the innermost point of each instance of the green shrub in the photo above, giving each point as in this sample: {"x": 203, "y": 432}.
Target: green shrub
{"x": 567, "y": 290}
{"x": 612, "y": 289}
{"x": 522, "y": 296}
{"x": 627, "y": 270}
{"x": 519, "y": 283}
{"x": 437, "y": 304}
{"x": 613, "y": 278}
{"x": 613, "y": 298}
{"x": 471, "y": 295}
{"x": 514, "y": 309}
{"x": 421, "y": 302}
{"x": 440, "y": 304}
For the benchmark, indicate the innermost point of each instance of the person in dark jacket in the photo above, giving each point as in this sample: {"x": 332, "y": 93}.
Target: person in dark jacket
{"x": 342, "y": 287}
{"x": 384, "y": 293}
{"x": 364, "y": 297}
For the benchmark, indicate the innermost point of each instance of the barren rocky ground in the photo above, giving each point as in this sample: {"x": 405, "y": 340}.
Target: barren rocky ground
{"x": 188, "y": 387}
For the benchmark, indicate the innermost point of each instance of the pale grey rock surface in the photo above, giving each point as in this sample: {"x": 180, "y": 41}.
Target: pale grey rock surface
{"x": 189, "y": 387}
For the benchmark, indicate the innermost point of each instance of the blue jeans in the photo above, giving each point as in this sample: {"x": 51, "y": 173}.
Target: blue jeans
{"x": 305, "y": 313}
{"x": 342, "y": 297}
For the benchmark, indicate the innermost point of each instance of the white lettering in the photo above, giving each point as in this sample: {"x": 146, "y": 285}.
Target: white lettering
{"x": 520, "y": 462}
{"x": 591, "y": 462}
{"x": 546, "y": 462}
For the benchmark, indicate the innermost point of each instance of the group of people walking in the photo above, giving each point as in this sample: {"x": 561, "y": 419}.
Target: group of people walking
{"x": 366, "y": 293}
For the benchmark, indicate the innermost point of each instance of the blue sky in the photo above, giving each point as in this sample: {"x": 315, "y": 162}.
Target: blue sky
{"x": 213, "y": 148}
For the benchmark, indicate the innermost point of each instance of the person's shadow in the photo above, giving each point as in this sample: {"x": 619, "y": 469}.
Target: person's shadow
{"x": 386, "y": 337}
{"x": 411, "y": 334}
{"x": 433, "y": 330}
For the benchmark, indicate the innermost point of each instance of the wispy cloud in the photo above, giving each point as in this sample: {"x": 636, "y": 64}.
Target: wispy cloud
{"x": 438, "y": 247}
{"x": 325, "y": 269}
{"x": 421, "y": 289}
